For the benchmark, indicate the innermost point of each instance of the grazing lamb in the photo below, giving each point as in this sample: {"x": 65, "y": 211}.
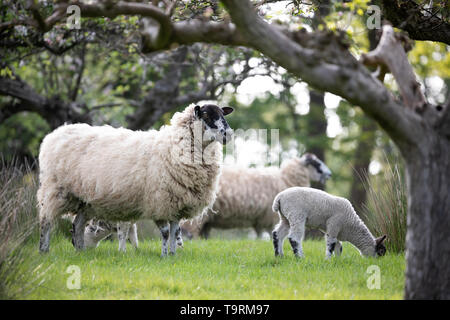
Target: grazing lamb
{"x": 97, "y": 230}
{"x": 245, "y": 195}
{"x": 298, "y": 207}
{"x": 124, "y": 175}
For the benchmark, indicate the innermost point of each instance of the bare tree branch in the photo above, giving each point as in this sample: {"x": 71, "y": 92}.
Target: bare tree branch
{"x": 54, "y": 110}
{"x": 410, "y": 16}
{"x": 322, "y": 60}
{"x": 391, "y": 55}
{"x": 75, "y": 89}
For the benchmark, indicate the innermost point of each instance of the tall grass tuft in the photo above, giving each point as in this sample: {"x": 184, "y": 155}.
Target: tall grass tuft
{"x": 385, "y": 210}
{"x": 19, "y": 271}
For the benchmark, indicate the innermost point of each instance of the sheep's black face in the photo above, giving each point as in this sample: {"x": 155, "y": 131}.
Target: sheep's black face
{"x": 318, "y": 170}
{"x": 216, "y": 127}
{"x": 380, "y": 249}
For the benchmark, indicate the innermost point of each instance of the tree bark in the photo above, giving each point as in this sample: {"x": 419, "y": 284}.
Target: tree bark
{"x": 428, "y": 181}
{"x": 317, "y": 128}
{"x": 427, "y": 238}
{"x": 409, "y": 16}
{"x": 54, "y": 110}
{"x": 361, "y": 162}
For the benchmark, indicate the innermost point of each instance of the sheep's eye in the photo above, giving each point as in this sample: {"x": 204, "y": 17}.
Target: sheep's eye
{"x": 319, "y": 170}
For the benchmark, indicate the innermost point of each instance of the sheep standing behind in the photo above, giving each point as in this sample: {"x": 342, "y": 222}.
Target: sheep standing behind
{"x": 298, "y": 207}
{"x": 120, "y": 175}
{"x": 245, "y": 195}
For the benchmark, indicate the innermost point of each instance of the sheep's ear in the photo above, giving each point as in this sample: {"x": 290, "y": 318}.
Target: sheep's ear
{"x": 197, "y": 112}
{"x": 380, "y": 239}
{"x": 227, "y": 110}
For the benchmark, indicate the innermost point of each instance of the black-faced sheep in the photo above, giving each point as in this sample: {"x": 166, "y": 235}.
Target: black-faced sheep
{"x": 120, "y": 175}
{"x": 245, "y": 195}
{"x": 298, "y": 207}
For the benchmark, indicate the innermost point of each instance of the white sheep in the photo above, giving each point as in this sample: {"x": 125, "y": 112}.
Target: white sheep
{"x": 245, "y": 195}
{"x": 298, "y": 207}
{"x": 124, "y": 175}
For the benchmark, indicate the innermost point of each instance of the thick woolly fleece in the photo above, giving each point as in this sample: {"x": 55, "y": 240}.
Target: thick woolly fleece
{"x": 124, "y": 175}
{"x": 245, "y": 196}
{"x": 299, "y": 207}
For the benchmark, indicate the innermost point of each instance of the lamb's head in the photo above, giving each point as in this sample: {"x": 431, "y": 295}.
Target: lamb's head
{"x": 94, "y": 233}
{"x": 380, "y": 249}
{"x": 318, "y": 171}
{"x": 215, "y": 127}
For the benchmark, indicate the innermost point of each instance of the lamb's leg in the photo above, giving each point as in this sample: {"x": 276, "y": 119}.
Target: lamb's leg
{"x": 279, "y": 234}
{"x": 133, "y": 236}
{"x": 44, "y": 241}
{"x": 174, "y": 227}
{"x": 164, "y": 228}
{"x": 123, "y": 229}
{"x": 295, "y": 236}
{"x": 338, "y": 249}
{"x": 78, "y": 228}
{"x": 331, "y": 245}
{"x": 179, "y": 237}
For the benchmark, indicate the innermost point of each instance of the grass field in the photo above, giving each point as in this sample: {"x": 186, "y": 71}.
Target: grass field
{"x": 214, "y": 269}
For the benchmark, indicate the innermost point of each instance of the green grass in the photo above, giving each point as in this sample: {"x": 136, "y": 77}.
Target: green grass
{"x": 215, "y": 269}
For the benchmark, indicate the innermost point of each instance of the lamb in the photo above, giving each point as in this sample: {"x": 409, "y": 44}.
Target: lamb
{"x": 124, "y": 175}
{"x": 246, "y": 194}
{"x": 298, "y": 207}
{"x": 97, "y": 230}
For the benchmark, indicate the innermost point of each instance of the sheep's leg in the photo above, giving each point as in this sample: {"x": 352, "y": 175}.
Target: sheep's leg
{"x": 78, "y": 227}
{"x": 295, "y": 236}
{"x": 279, "y": 234}
{"x": 174, "y": 227}
{"x": 123, "y": 229}
{"x": 331, "y": 237}
{"x": 331, "y": 245}
{"x": 205, "y": 230}
{"x": 259, "y": 232}
{"x": 133, "y": 236}
{"x": 44, "y": 241}
{"x": 50, "y": 206}
{"x": 164, "y": 228}
{"x": 179, "y": 237}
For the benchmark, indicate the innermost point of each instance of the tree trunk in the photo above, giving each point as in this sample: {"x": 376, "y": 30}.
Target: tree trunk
{"x": 361, "y": 162}
{"x": 317, "y": 124}
{"x": 427, "y": 239}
